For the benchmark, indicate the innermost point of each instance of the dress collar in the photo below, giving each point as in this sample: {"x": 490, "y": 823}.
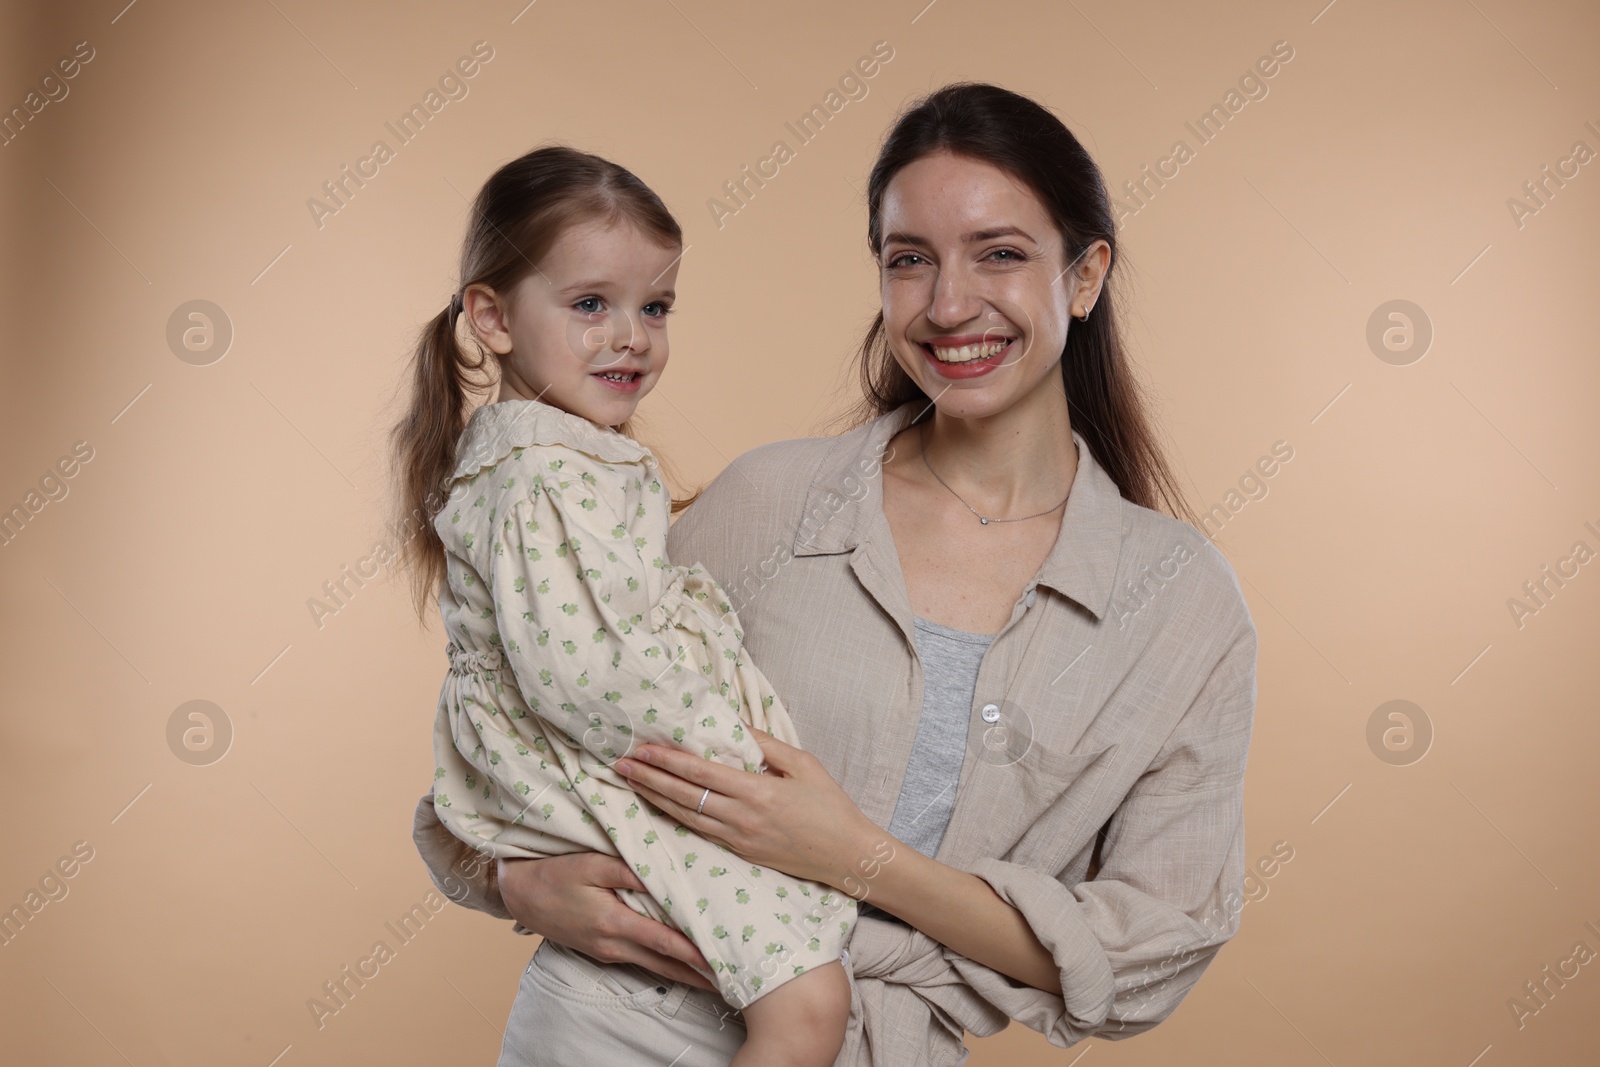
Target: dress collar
{"x": 844, "y": 508}
{"x": 496, "y": 429}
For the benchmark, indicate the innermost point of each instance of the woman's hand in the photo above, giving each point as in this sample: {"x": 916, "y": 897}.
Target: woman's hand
{"x": 793, "y": 818}
{"x": 571, "y": 900}
{"x": 796, "y": 819}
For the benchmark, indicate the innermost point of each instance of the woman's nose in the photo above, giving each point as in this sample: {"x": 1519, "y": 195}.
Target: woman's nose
{"x": 954, "y": 300}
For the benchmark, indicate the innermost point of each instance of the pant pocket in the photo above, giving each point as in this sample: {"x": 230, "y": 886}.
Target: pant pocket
{"x": 563, "y": 974}
{"x": 565, "y": 1014}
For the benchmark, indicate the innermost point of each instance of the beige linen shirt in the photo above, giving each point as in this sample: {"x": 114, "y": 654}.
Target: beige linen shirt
{"x": 1104, "y": 802}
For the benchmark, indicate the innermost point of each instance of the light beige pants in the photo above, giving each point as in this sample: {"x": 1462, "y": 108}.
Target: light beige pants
{"x": 571, "y": 1010}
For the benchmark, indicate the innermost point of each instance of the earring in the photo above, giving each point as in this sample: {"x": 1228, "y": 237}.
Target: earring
{"x": 1085, "y": 316}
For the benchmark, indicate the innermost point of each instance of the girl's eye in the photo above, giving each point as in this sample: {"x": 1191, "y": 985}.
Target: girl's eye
{"x": 659, "y": 310}
{"x": 589, "y": 304}
{"x": 902, "y": 260}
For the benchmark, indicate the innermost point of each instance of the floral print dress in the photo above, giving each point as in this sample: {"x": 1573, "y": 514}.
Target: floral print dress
{"x": 573, "y": 639}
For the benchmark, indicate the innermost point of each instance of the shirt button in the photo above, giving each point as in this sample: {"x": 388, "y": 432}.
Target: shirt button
{"x": 1029, "y": 599}
{"x": 991, "y": 713}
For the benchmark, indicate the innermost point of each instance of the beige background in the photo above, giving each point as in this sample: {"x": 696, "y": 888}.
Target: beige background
{"x": 219, "y": 898}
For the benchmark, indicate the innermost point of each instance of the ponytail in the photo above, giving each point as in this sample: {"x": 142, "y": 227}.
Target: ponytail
{"x": 425, "y": 443}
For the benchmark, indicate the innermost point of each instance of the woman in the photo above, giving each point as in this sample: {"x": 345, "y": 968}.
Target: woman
{"x": 1025, "y": 695}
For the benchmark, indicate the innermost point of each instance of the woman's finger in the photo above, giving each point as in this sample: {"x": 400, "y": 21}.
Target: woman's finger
{"x": 703, "y": 823}
{"x": 657, "y": 783}
{"x": 613, "y": 872}
{"x": 780, "y": 756}
{"x": 696, "y": 770}
{"x": 676, "y": 796}
{"x": 569, "y": 899}
{"x": 671, "y": 969}
{"x": 659, "y": 948}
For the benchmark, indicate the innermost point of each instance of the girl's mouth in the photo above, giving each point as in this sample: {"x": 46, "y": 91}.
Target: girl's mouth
{"x": 967, "y": 357}
{"x": 623, "y": 381}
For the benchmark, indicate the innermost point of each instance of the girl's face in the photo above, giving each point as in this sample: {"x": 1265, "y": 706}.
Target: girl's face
{"x": 586, "y": 330}
{"x": 976, "y": 298}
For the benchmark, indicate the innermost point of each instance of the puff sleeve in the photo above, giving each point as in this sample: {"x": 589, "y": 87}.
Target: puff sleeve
{"x": 571, "y": 582}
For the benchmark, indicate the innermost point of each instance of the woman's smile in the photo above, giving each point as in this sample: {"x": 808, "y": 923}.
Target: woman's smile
{"x": 967, "y": 355}
{"x": 971, "y": 278}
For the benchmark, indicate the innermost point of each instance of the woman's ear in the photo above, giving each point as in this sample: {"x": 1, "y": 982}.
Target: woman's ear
{"x": 485, "y": 312}
{"x": 1085, "y": 276}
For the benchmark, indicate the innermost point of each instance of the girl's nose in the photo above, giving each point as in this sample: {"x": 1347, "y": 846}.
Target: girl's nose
{"x": 629, "y": 335}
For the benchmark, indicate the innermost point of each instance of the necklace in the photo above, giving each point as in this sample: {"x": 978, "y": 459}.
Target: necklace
{"x": 922, "y": 434}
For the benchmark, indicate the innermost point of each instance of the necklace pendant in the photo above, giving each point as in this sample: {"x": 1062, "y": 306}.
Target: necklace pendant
{"x": 983, "y": 520}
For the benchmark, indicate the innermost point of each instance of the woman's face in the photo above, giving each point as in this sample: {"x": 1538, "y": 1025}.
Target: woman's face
{"x": 976, "y": 297}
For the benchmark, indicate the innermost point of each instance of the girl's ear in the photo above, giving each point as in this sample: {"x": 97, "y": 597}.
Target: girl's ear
{"x": 485, "y": 312}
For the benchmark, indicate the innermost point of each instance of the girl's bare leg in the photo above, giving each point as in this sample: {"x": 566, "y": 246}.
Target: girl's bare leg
{"x": 799, "y": 1024}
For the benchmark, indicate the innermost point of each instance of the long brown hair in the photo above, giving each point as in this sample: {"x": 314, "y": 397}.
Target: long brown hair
{"x": 520, "y": 212}
{"x": 1017, "y": 135}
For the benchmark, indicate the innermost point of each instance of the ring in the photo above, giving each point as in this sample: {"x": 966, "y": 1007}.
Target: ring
{"x": 702, "y": 806}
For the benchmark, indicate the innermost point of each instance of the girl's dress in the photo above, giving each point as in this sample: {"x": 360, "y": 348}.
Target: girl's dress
{"x": 572, "y": 639}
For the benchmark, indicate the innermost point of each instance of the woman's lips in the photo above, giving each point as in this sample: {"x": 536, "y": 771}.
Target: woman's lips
{"x": 629, "y": 385}
{"x": 976, "y": 365}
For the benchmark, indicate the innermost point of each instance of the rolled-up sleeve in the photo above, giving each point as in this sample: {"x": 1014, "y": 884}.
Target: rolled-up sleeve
{"x": 1132, "y": 942}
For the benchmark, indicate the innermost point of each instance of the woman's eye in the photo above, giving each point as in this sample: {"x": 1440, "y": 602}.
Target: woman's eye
{"x": 589, "y": 305}
{"x": 903, "y": 260}
{"x": 1011, "y": 254}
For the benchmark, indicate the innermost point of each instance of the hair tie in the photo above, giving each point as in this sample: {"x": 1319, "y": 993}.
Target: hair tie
{"x": 455, "y": 305}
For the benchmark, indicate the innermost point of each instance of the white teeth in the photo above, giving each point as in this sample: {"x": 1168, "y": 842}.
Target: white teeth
{"x": 615, "y": 377}
{"x": 968, "y": 353}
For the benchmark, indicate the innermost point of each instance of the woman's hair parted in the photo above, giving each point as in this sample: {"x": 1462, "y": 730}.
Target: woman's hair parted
{"x": 518, "y": 215}
{"x": 1027, "y": 141}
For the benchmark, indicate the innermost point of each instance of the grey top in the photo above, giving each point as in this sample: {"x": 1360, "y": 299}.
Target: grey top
{"x": 950, "y": 661}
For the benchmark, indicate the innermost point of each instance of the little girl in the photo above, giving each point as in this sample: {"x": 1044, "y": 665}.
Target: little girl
{"x": 572, "y": 638}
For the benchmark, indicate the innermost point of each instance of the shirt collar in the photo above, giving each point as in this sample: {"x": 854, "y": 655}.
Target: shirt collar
{"x": 844, "y": 508}
{"x": 496, "y": 429}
